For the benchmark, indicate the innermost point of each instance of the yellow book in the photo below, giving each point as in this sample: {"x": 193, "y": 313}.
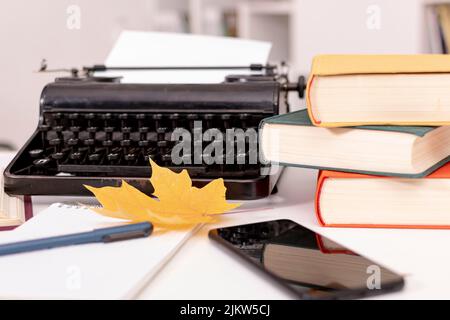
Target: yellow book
{"x": 353, "y": 90}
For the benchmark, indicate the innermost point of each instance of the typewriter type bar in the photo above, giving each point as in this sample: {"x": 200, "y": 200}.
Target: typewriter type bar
{"x": 100, "y": 133}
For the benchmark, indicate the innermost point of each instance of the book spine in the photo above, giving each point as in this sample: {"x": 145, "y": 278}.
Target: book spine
{"x": 320, "y": 180}
{"x": 313, "y": 119}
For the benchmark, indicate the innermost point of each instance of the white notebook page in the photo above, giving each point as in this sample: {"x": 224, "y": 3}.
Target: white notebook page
{"x": 115, "y": 270}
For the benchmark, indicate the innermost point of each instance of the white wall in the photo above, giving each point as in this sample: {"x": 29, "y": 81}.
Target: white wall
{"x": 32, "y": 30}
{"x": 356, "y": 26}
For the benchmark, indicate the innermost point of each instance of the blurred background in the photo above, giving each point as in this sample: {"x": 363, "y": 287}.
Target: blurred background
{"x": 81, "y": 32}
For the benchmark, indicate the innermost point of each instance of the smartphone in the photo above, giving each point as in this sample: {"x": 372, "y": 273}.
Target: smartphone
{"x": 306, "y": 264}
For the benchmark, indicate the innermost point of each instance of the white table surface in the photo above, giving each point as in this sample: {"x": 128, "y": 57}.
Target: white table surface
{"x": 203, "y": 270}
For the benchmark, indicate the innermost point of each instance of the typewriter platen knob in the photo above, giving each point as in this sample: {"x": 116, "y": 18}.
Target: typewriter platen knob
{"x": 298, "y": 86}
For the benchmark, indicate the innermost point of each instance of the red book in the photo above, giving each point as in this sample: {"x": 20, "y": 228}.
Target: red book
{"x": 367, "y": 201}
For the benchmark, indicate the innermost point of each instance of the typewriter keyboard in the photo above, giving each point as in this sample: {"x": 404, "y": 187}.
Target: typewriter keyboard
{"x": 121, "y": 144}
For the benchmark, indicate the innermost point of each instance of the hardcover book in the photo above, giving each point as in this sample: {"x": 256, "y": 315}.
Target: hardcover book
{"x": 408, "y": 151}
{"x": 351, "y": 90}
{"x": 357, "y": 200}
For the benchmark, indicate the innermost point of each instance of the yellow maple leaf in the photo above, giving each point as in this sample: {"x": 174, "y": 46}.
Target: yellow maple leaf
{"x": 178, "y": 203}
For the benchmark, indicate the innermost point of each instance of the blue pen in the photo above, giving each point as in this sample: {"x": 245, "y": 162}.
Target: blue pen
{"x": 105, "y": 235}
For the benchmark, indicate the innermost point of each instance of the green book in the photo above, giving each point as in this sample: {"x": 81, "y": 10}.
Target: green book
{"x": 406, "y": 151}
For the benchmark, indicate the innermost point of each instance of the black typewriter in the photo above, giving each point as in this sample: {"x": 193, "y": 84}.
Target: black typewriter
{"x": 97, "y": 131}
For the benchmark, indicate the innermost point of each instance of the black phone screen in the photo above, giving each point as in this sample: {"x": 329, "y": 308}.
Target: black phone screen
{"x": 305, "y": 263}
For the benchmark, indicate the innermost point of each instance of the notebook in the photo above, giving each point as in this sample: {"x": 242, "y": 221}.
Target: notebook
{"x": 13, "y": 210}
{"x": 357, "y": 200}
{"x": 117, "y": 270}
{"x": 291, "y": 139}
{"x": 351, "y": 90}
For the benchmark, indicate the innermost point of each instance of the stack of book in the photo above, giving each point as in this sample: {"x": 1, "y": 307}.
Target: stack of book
{"x": 376, "y": 127}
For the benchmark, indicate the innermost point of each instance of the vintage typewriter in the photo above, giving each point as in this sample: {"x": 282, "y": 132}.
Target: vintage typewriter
{"x": 97, "y": 131}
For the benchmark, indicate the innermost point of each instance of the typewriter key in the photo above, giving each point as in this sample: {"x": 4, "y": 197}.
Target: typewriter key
{"x": 161, "y": 133}
{"x": 244, "y": 119}
{"x": 226, "y": 120}
{"x": 143, "y": 143}
{"x": 112, "y": 156}
{"x": 167, "y": 159}
{"x": 58, "y": 128}
{"x": 73, "y": 142}
{"x": 158, "y": 120}
{"x": 89, "y": 116}
{"x": 44, "y": 128}
{"x": 192, "y": 117}
{"x": 36, "y": 153}
{"x": 106, "y": 116}
{"x": 75, "y": 129}
{"x": 174, "y": 120}
{"x": 125, "y": 143}
{"x": 107, "y": 143}
{"x": 95, "y": 157}
{"x": 42, "y": 163}
{"x": 58, "y": 156}
{"x": 76, "y": 155}
{"x": 209, "y": 120}
{"x": 55, "y": 142}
